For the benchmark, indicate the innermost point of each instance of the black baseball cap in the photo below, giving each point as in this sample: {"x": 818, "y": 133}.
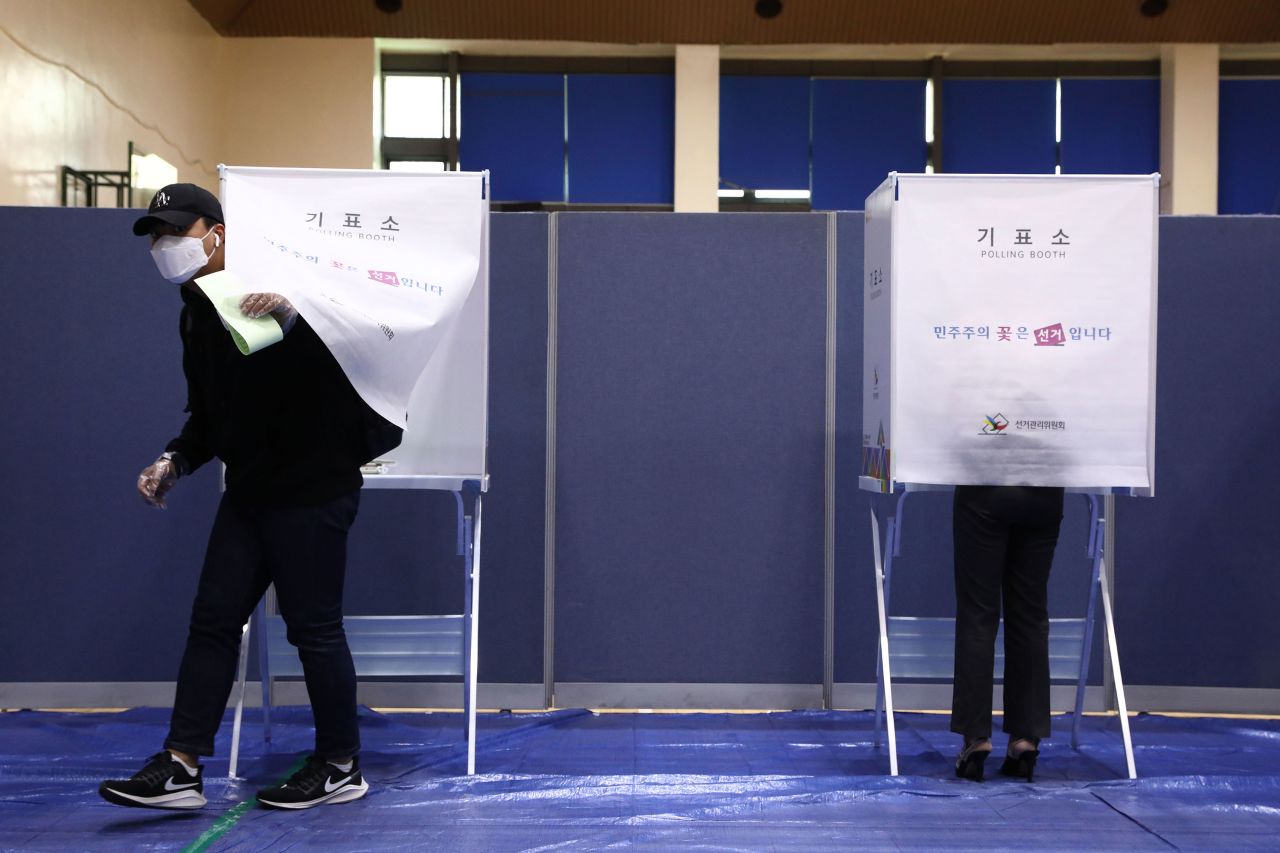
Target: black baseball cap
{"x": 180, "y": 205}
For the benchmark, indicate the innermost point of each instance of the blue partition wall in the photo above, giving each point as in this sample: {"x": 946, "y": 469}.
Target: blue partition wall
{"x": 689, "y": 497}
{"x": 855, "y": 614}
{"x": 97, "y": 586}
{"x": 403, "y": 548}
{"x": 689, "y": 506}
{"x": 512, "y": 578}
{"x": 1197, "y": 594}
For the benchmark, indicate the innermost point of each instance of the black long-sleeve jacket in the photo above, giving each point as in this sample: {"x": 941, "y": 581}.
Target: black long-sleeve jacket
{"x": 286, "y": 420}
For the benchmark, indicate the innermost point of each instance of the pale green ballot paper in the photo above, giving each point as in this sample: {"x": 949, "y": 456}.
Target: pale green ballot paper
{"x": 225, "y": 290}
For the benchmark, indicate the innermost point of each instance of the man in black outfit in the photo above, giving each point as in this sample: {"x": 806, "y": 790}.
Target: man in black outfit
{"x": 293, "y": 433}
{"x": 1004, "y": 540}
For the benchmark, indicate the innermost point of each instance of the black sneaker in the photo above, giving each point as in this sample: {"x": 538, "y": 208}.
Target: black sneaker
{"x": 164, "y": 783}
{"x": 317, "y": 783}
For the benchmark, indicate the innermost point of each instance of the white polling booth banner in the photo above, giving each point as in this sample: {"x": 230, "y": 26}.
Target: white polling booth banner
{"x": 390, "y": 269}
{"x": 1010, "y": 331}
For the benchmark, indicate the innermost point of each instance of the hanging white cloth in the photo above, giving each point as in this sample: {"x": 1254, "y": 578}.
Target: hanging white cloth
{"x": 379, "y": 263}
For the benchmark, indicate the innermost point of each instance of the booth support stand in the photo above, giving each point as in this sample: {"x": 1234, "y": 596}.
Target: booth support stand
{"x": 388, "y": 645}
{"x": 1098, "y": 589}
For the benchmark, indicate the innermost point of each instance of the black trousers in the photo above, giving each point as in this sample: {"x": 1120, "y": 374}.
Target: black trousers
{"x": 1004, "y": 541}
{"x": 303, "y": 550}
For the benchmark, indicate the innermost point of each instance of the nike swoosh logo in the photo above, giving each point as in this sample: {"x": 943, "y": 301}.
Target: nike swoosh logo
{"x": 330, "y": 787}
{"x": 169, "y": 786}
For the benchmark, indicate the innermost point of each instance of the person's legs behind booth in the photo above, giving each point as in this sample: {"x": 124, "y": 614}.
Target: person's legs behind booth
{"x": 1032, "y": 542}
{"x": 980, "y": 534}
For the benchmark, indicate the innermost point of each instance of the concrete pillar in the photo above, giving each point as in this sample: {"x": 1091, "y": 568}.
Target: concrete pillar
{"x": 697, "y": 159}
{"x": 1189, "y": 128}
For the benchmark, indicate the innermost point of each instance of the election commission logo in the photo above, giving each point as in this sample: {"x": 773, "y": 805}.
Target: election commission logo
{"x": 994, "y": 424}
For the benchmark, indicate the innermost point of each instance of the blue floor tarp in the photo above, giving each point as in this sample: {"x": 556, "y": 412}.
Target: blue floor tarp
{"x": 574, "y": 780}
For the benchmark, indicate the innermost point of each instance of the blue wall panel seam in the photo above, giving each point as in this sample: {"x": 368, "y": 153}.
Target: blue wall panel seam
{"x": 829, "y": 475}
{"x": 549, "y": 529}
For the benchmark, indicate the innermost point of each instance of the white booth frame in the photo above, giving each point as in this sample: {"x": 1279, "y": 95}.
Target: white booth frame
{"x": 1098, "y": 588}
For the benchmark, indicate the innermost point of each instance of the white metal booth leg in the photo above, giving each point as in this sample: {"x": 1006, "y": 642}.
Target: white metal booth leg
{"x": 892, "y": 547}
{"x": 469, "y": 547}
{"x": 471, "y": 629}
{"x": 886, "y": 680}
{"x": 1094, "y": 552}
{"x": 256, "y": 623}
{"x": 1098, "y": 589}
{"x": 1122, "y": 707}
{"x": 241, "y": 672}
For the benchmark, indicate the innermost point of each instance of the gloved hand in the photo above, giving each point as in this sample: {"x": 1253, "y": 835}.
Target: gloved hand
{"x": 156, "y": 480}
{"x": 258, "y": 304}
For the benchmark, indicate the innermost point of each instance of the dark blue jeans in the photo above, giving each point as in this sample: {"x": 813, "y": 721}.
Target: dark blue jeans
{"x": 1004, "y": 541}
{"x": 303, "y": 551}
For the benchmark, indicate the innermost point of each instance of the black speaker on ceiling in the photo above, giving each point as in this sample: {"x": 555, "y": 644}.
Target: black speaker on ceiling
{"x": 389, "y": 6}
{"x": 1153, "y": 8}
{"x": 768, "y": 8}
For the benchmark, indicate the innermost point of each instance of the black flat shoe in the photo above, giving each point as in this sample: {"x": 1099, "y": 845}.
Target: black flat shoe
{"x": 970, "y": 762}
{"x": 1023, "y": 764}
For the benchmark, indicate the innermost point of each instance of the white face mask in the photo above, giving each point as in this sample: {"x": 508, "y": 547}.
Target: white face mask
{"x": 180, "y": 258}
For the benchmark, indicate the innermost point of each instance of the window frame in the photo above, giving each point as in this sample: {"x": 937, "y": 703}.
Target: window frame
{"x": 936, "y": 71}
{"x": 443, "y": 149}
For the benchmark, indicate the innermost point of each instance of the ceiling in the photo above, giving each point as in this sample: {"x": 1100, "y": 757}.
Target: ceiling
{"x": 735, "y": 22}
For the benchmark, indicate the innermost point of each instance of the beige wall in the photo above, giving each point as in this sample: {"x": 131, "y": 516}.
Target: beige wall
{"x": 300, "y": 102}
{"x": 1189, "y": 129}
{"x": 80, "y": 79}
{"x": 697, "y": 156}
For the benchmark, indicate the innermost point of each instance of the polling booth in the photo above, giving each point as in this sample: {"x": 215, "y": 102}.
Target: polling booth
{"x": 1009, "y": 338}
{"x": 391, "y": 270}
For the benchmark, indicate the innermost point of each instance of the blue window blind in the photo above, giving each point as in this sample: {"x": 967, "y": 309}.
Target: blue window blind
{"x": 1110, "y": 127}
{"x": 764, "y": 132}
{"x": 622, "y": 138}
{"x": 513, "y": 125}
{"x": 1248, "y": 155}
{"x": 862, "y": 130}
{"x": 999, "y": 126}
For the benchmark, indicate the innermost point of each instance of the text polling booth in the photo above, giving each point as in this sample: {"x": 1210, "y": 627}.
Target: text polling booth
{"x": 391, "y": 270}
{"x": 1009, "y": 339}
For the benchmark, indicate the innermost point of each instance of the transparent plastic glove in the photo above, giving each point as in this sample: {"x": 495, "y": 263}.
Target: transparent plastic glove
{"x": 260, "y": 304}
{"x": 156, "y": 480}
